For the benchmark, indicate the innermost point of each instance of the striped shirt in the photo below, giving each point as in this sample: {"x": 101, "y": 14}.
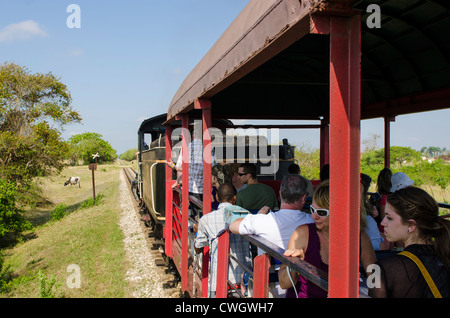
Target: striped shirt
{"x": 208, "y": 227}
{"x": 195, "y": 165}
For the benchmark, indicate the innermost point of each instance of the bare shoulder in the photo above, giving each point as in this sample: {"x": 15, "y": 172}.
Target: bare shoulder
{"x": 302, "y": 230}
{"x": 301, "y": 234}
{"x": 299, "y": 238}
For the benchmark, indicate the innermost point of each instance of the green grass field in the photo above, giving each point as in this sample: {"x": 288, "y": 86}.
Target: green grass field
{"x": 89, "y": 238}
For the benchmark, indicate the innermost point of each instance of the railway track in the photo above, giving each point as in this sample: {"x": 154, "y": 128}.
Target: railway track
{"x": 166, "y": 270}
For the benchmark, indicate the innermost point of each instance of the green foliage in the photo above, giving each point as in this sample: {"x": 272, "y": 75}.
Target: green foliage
{"x": 90, "y": 202}
{"x": 11, "y": 218}
{"x": 129, "y": 155}
{"x": 399, "y": 156}
{"x": 406, "y": 160}
{"x": 29, "y": 98}
{"x": 89, "y": 143}
{"x": 5, "y": 274}
{"x": 39, "y": 153}
{"x": 33, "y": 107}
{"x": 46, "y": 285}
{"x": 7, "y": 278}
{"x": 59, "y": 212}
{"x": 309, "y": 161}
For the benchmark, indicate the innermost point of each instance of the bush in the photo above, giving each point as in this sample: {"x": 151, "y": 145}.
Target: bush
{"x": 309, "y": 160}
{"x": 399, "y": 156}
{"x": 11, "y": 218}
{"x": 46, "y": 286}
{"x": 59, "y": 212}
{"x": 86, "y": 144}
{"x": 90, "y": 202}
{"x": 129, "y": 155}
{"x": 5, "y": 274}
{"x": 423, "y": 173}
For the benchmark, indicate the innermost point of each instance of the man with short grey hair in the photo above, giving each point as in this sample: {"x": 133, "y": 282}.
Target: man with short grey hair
{"x": 277, "y": 227}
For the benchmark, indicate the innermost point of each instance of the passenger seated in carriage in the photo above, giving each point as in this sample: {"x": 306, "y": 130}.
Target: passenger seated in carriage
{"x": 412, "y": 217}
{"x": 310, "y": 242}
{"x": 368, "y": 214}
{"x": 277, "y": 227}
{"x": 209, "y": 227}
{"x": 255, "y": 195}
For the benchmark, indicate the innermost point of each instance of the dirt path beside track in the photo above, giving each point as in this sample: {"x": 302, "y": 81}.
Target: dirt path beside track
{"x": 146, "y": 278}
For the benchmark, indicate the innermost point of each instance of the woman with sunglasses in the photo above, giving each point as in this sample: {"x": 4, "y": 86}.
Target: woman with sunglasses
{"x": 310, "y": 242}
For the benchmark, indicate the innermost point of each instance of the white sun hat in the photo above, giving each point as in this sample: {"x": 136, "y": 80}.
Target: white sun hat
{"x": 400, "y": 180}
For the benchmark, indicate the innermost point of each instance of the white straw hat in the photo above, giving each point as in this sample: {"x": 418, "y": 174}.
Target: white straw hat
{"x": 400, "y": 180}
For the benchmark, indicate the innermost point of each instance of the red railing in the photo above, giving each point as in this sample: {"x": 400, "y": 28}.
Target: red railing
{"x": 261, "y": 266}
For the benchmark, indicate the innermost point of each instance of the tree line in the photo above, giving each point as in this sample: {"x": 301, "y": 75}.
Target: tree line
{"x": 405, "y": 159}
{"x": 433, "y": 151}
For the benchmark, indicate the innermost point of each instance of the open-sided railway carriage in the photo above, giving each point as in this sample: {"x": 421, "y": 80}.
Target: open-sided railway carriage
{"x": 151, "y": 158}
{"x": 326, "y": 61}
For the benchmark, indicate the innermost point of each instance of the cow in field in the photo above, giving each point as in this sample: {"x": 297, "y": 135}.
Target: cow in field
{"x": 72, "y": 181}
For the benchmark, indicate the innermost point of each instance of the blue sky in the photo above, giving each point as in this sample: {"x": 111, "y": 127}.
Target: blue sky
{"x": 128, "y": 59}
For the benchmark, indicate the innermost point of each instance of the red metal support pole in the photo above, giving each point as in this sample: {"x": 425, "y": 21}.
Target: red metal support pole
{"x": 205, "y": 106}
{"x": 223, "y": 250}
{"x": 205, "y": 272}
{"x": 186, "y": 138}
{"x": 169, "y": 195}
{"x": 320, "y": 24}
{"x": 345, "y": 115}
{"x": 261, "y": 276}
{"x": 324, "y": 143}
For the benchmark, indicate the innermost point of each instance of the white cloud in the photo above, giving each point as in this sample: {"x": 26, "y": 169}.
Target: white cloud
{"x": 21, "y": 31}
{"x": 76, "y": 52}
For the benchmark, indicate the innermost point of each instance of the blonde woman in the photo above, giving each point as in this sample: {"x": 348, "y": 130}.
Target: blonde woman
{"x": 310, "y": 242}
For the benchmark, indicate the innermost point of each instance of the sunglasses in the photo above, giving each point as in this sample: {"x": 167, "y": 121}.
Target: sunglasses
{"x": 320, "y": 212}
{"x": 242, "y": 174}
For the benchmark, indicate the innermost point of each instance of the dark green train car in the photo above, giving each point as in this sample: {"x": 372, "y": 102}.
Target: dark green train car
{"x": 151, "y": 168}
